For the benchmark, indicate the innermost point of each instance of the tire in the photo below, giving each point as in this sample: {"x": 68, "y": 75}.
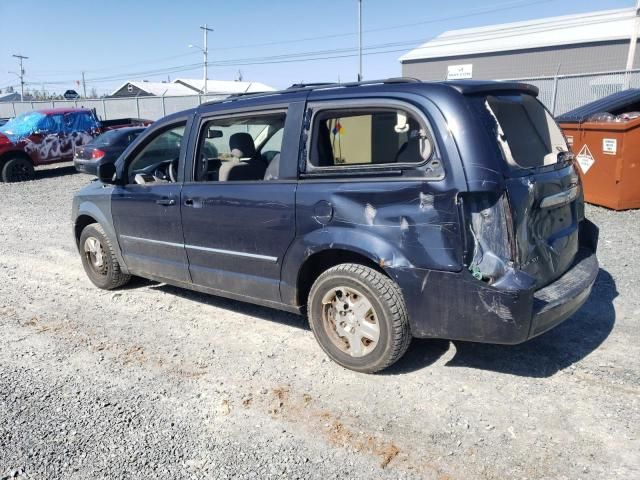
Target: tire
{"x": 17, "y": 169}
{"x": 99, "y": 259}
{"x": 351, "y": 305}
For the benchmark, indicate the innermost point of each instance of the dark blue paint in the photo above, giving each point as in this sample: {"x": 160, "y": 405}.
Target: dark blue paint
{"x": 137, "y": 213}
{"x": 250, "y": 218}
{"x": 407, "y": 225}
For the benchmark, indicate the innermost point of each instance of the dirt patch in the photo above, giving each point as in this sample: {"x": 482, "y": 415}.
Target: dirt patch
{"x": 559, "y": 406}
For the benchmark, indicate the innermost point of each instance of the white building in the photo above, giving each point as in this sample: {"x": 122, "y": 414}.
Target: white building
{"x": 571, "y": 44}
{"x": 187, "y": 86}
{"x": 223, "y": 87}
{"x": 145, "y": 89}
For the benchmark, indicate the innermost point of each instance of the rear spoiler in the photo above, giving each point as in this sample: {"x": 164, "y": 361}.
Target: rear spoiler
{"x": 470, "y": 87}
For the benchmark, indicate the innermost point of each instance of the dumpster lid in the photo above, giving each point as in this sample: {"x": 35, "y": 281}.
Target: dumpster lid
{"x": 617, "y": 103}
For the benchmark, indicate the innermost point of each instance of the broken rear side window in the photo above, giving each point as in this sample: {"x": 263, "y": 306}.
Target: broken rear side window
{"x": 368, "y": 137}
{"x": 528, "y": 135}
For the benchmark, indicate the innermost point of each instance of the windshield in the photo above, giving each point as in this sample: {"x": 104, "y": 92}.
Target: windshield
{"x": 21, "y": 126}
{"x": 527, "y": 133}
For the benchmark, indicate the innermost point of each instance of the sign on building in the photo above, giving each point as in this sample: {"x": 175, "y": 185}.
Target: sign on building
{"x": 459, "y": 72}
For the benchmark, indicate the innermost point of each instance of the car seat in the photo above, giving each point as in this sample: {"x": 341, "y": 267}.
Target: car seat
{"x": 246, "y": 164}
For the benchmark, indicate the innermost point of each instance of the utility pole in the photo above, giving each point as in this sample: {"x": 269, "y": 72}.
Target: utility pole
{"x": 205, "y": 50}
{"x": 20, "y": 59}
{"x": 360, "y": 40}
{"x": 632, "y": 46}
{"x": 84, "y": 87}
{"x": 634, "y": 39}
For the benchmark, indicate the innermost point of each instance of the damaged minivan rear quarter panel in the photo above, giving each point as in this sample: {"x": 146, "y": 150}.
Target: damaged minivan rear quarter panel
{"x": 406, "y": 222}
{"x": 469, "y": 250}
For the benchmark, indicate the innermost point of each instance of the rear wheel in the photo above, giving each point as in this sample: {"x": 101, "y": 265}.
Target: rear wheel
{"x": 359, "y": 318}
{"x": 17, "y": 170}
{"x": 99, "y": 259}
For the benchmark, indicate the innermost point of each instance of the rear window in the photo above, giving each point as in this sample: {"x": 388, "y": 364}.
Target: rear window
{"x": 117, "y": 138}
{"x": 527, "y": 133}
{"x": 109, "y": 139}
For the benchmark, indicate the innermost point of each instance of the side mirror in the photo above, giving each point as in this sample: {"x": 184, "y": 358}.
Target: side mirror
{"x": 212, "y": 133}
{"x": 106, "y": 173}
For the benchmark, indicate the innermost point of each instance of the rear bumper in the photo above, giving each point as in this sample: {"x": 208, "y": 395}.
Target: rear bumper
{"x": 456, "y": 306}
{"x": 558, "y": 301}
{"x": 84, "y": 166}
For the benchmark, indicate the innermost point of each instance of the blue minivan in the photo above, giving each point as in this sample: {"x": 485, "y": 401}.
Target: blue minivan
{"x": 383, "y": 210}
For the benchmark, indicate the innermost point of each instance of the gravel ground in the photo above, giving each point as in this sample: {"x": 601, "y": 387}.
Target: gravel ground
{"x": 157, "y": 382}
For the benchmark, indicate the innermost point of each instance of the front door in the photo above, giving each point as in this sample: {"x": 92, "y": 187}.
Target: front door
{"x": 238, "y": 214}
{"x": 146, "y": 211}
{"x": 47, "y": 143}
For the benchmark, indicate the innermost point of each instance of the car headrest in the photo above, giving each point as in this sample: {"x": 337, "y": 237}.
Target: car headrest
{"x": 241, "y": 145}
{"x": 273, "y": 169}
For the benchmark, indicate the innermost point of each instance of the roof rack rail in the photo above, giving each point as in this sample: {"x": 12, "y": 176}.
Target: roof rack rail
{"x": 310, "y": 85}
{"x": 306, "y": 87}
{"x": 237, "y": 95}
{"x": 320, "y": 85}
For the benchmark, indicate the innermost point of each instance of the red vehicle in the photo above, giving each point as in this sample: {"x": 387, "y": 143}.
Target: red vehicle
{"x": 47, "y": 136}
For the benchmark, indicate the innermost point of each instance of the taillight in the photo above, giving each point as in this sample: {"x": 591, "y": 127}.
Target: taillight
{"x": 97, "y": 154}
{"x": 489, "y": 251}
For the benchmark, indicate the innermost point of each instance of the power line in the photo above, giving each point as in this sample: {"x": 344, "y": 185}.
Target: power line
{"x": 328, "y": 54}
{"x": 102, "y": 69}
{"x": 450, "y": 40}
{"x": 481, "y": 11}
{"x": 475, "y": 12}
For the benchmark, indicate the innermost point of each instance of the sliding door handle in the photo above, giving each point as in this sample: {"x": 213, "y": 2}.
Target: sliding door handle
{"x": 189, "y": 202}
{"x": 166, "y": 202}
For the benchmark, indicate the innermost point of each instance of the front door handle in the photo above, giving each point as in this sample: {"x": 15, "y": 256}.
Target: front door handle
{"x": 166, "y": 202}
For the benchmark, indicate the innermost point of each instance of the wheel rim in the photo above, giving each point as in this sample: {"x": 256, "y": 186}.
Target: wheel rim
{"x": 19, "y": 171}
{"x": 350, "y": 321}
{"x": 95, "y": 255}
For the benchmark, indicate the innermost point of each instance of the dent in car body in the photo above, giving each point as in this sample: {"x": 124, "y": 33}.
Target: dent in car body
{"x": 409, "y": 226}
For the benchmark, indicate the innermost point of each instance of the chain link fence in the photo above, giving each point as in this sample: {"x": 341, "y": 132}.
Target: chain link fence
{"x": 151, "y": 108}
{"x": 562, "y": 93}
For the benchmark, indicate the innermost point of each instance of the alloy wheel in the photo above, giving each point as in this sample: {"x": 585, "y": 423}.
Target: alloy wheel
{"x": 350, "y": 321}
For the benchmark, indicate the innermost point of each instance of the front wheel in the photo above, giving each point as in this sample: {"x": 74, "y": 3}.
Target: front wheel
{"x": 17, "y": 170}
{"x": 99, "y": 259}
{"x": 359, "y": 318}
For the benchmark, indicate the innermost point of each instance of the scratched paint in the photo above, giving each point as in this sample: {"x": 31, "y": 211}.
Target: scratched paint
{"x": 404, "y": 224}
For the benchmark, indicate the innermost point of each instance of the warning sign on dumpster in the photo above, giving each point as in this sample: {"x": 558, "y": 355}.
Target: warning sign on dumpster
{"x": 609, "y": 146}
{"x": 585, "y": 159}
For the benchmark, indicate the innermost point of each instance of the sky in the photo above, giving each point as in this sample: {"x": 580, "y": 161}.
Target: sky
{"x": 277, "y": 42}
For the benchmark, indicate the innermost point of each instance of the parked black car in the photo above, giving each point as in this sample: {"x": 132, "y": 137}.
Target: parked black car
{"x": 104, "y": 149}
{"x": 385, "y": 210}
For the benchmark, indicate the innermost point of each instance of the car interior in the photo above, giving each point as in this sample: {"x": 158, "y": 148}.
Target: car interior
{"x": 158, "y": 160}
{"x": 246, "y": 149}
{"x": 368, "y": 138}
